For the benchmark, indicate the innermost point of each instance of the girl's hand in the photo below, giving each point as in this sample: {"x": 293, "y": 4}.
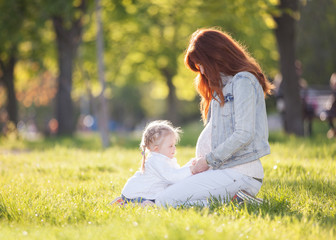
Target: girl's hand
{"x": 193, "y": 163}
{"x": 190, "y": 163}
{"x": 200, "y": 166}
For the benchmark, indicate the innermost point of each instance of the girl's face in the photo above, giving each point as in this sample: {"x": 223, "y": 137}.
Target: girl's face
{"x": 167, "y": 146}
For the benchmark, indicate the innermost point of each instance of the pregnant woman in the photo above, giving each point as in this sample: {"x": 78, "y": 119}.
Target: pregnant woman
{"x": 232, "y": 87}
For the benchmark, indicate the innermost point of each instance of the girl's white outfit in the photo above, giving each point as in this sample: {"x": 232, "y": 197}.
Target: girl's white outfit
{"x": 160, "y": 172}
{"x": 232, "y": 142}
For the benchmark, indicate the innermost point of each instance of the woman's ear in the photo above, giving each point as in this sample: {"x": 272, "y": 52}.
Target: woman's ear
{"x": 201, "y": 69}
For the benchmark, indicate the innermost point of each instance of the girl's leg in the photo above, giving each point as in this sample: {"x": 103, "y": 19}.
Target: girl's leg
{"x": 222, "y": 184}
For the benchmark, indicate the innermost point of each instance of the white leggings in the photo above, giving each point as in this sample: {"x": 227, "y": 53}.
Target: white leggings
{"x": 196, "y": 189}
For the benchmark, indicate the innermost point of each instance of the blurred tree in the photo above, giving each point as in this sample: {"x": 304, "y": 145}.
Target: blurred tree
{"x": 67, "y": 18}
{"x": 144, "y": 43}
{"x": 103, "y": 118}
{"x": 12, "y": 18}
{"x": 164, "y": 30}
{"x": 285, "y": 17}
{"x": 120, "y": 33}
{"x": 7, "y": 78}
{"x": 126, "y": 105}
{"x": 136, "y": 51}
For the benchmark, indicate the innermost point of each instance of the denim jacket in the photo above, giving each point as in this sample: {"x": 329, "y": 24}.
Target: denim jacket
{"x": 239, "y": 127}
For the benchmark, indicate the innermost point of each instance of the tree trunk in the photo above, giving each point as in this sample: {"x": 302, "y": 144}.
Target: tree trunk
{"x": 103, "y": 118}
{"x": 64, "y": 104}
{"x": 285, "y": 35}
{"x": 68, "y": 40}
{"x": 8, "y": 80}
{"x": 172, "y": 104}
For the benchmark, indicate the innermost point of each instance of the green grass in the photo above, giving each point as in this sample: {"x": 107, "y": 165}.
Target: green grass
{"x": 59, "y": 189}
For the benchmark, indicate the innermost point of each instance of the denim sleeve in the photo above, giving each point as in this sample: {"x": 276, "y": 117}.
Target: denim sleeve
{"x": 244, "y": 93}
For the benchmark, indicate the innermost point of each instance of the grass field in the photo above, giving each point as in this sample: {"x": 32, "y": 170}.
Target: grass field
{"x": 59, "y": 189}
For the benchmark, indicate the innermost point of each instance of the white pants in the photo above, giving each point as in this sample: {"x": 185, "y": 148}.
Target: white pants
{"x": 196, "y": 189}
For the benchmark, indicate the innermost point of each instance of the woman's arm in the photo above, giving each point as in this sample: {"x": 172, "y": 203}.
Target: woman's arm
{"x": 244, "y": 102}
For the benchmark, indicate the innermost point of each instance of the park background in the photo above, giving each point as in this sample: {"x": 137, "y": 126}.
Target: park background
{"x": 80, "y": 79}
{"x": 77, "y": 65}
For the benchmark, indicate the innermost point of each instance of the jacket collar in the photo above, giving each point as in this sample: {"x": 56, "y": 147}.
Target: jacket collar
{"x": 225, "y": 78}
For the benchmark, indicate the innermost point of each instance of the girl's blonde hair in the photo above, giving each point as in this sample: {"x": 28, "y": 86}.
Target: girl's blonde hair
{"x": 153, "y": 135}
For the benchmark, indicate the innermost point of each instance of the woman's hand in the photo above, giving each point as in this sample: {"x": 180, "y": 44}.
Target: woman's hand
{"x": 200, "y": 166}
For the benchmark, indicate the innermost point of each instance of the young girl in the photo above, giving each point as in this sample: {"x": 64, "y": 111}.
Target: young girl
{"x": 159, "y": 168}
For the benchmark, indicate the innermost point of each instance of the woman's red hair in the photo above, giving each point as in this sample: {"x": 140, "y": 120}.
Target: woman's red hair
{"x": 218, "y": 53}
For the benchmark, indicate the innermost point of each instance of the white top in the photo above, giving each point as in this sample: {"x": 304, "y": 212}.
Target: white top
{"x": 203, "y": 147}
{"x": 160, "y": 172}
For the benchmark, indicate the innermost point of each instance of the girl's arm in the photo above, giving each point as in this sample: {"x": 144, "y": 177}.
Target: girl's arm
{"x": 169, "y": 173}
{"x": 191, "y": 162}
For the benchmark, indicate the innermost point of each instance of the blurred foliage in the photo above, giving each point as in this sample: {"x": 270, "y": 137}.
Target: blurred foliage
{"x": 316, "y": 40}
{"x": 144, "y": 43}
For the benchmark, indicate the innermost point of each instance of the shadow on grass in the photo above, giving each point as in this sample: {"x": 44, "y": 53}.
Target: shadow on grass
{"x": 308, "y": 199}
